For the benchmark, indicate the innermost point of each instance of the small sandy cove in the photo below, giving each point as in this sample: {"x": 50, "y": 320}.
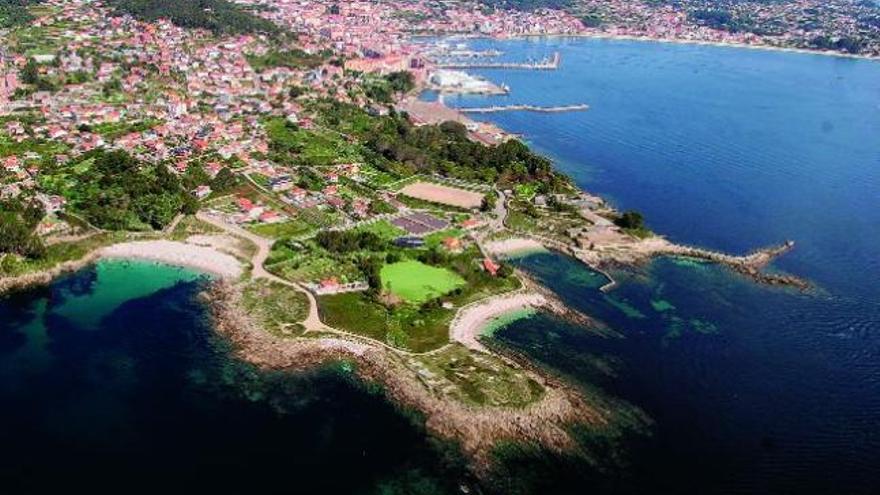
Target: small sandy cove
{"x": 471, "y": 320}
{"x": 514, "y": 246}
{"x": 177, "y": 253}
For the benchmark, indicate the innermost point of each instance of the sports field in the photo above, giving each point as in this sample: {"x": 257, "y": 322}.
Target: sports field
{"x": 417, "y": 282}
{"x": 446, "y": 195}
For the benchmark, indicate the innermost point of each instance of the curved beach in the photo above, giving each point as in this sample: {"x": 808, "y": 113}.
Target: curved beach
{"x": 515, "y": 246}
{"x": 177, "y": 253}
{"x": 471, "y": 320}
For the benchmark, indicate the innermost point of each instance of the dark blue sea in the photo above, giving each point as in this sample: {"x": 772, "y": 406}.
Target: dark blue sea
{"x": 112, "y": 380}
{"x": 752, "y": 389}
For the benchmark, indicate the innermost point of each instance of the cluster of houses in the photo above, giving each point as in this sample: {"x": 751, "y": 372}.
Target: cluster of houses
{"x": 249, "y": 212}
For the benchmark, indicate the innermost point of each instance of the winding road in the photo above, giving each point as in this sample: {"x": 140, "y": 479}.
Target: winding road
{"x": 264, "y": 246}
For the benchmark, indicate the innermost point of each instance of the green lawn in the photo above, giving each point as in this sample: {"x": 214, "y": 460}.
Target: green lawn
{"x": 405, "y": 327}
{"x": 291, "y": 228}
{"x": 436, "y": 239}
{"x": 384, "y": 229}
{"x": 417, "y": 282}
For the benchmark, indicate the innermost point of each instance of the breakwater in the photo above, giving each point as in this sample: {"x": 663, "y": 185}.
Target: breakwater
{"x": 526, "y": 108}
{"x": 551, "y": 63}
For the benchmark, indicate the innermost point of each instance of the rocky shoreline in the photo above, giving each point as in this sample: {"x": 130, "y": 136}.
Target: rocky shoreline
{"x": 638, "y": 253}
{"x": 477, "y": 429}
{"x": 43, "y": 277}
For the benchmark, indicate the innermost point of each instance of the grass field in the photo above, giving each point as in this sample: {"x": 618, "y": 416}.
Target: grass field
{"x": 436, "y": 239}
{"x": 417, "y": 282}
{"x": 384, "y": 229}
{"x": 291, "y": 228}
{"x": 279, "y": 308}
{"x": 404, "y": 327}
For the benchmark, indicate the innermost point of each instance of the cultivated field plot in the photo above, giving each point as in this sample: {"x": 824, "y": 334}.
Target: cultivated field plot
{"x": 445, "y": 195}
{"x": 417, "y": 282}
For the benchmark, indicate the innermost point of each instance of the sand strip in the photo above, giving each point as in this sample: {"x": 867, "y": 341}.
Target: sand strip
{"x": 177, "y": 253}
{"x": 471, "y": 320}
{"x": 515, "y": 246}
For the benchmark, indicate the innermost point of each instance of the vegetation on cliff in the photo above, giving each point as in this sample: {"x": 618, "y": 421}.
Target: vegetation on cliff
{"x": 218, "y": 16}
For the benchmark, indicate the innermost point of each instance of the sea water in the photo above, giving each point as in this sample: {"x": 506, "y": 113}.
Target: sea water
{"x": 752, "y": 389}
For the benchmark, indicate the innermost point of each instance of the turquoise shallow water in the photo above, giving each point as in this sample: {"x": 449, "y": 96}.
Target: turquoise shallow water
{"x": 112, "y": 380}
{"x": 754, "y": 390}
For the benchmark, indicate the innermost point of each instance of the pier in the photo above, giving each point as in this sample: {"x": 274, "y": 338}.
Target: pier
{"x": 526, "y": 108}
{"x": 472, "y": 53}
{"x": 551, "y": 63}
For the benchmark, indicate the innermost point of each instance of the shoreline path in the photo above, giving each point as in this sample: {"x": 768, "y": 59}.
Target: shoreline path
{"x": 466, "y": 326}
{"x": 312, "y": 321}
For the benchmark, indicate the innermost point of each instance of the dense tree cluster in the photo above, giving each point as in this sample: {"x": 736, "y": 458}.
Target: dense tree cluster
{"x": 447, "y": 149}
{"x": 401, "y": 81}
{"x": 396, "y": 145}
{"x": 291, "y": 59}
{"x": 382, "y": 90}
{"x": 14, "y": 13}
{"x": 631, "y": 220}
{"x": 218, "y": 16}
{"x": 349, "y": 241}
{"x": 844, "y": 44}
{"x": 30, "y": 74}
{"x": 18, "y": 219}
{"x": 116, "y": 191}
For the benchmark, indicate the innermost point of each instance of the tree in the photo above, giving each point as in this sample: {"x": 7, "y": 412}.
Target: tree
{"x": 295, "y": 91}
{"x": 631, "y": 220}
{"x": 18, "y": 219}
{"x": 114, "y": 85}
{"x": 591, "y": 21}
{"x": 224, "y": 181}
{"x": 30, "y": 73}
{"x": 505, "y": 270}
{"x": 401, "y": 81}
{"x": 218, "y": 16}
{"x": 489, "y": 202}
{"x": 120, "y": 192}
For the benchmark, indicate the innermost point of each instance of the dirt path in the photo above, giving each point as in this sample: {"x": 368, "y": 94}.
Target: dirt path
{"x": 264, "y": 246}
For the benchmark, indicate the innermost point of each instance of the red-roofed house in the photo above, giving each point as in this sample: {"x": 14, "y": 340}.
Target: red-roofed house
{"x": 490, "y": 266}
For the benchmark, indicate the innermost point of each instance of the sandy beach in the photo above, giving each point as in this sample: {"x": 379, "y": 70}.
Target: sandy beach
{"x": 177, "y": 253}
{"x": 471, "y": 320}
{"x": 515, "y": 246}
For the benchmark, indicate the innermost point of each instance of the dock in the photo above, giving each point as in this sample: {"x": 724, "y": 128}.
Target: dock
{"x": 551, "y": 63}
{"x": 526, "y": 108}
